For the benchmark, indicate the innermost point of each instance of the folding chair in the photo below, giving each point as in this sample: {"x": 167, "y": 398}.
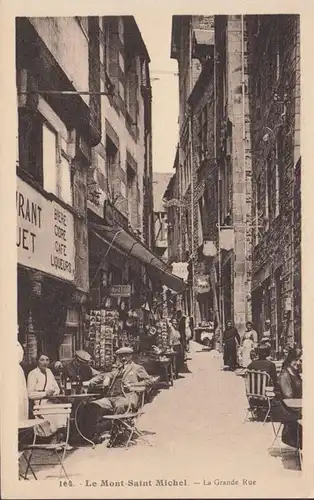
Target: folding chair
{"x": 300, "y": 451}
{"x": 46, "y": 410}
{"x": 21, "y": 475}
{"x": 256, "y": 382}
{"x": 127, "y": 422}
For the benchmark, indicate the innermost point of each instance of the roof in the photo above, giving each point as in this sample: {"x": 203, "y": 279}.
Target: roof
{"x": 133, "y": 30}
{"x": 169, "y": 189}
{"x": 177, "y": 22}
{"x": 160, "y": 183}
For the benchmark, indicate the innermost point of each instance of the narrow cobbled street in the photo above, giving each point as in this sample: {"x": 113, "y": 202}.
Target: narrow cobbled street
{"x": 196, "y": 431}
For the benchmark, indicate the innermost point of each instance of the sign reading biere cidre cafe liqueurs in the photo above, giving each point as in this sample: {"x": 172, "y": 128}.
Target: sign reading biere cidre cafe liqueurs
{"x": 45, "y": 234}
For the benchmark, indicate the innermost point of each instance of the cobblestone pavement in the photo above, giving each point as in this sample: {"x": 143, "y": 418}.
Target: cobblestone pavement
{"x": 196, "y": 433}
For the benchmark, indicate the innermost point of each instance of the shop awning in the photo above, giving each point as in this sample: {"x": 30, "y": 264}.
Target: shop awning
{"x": 120, "y": 239}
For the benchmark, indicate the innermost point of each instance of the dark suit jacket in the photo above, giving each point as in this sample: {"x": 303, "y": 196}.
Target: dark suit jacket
{"x": 266, "y": 366}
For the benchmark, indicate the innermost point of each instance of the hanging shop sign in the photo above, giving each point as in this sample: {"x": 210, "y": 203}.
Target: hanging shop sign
{"x": 120, "y": 291}
{"x": 202, "y": 284}
{"x": 180, "y": 269}
{"x": 45, "y": 234}
{"x": 226, "y": 239}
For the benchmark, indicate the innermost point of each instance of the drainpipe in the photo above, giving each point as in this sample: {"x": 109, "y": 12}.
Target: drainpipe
{"x": 219, "y": 302}
{"x": 244, "y": 164}
{"x": 193, "y": 304}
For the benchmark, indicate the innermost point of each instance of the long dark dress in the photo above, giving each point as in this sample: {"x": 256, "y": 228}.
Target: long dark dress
{"x": 230, "y": 338}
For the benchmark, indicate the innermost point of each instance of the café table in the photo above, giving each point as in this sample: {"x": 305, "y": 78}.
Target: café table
{"x": 295, "y": 403}
{"x": 28, "y": 423}
{"x": 77, "y": 400}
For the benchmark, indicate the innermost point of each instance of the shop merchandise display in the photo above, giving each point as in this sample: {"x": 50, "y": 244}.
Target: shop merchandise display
{"x": 162, "y": 334}
{"x": 102, "y": 338}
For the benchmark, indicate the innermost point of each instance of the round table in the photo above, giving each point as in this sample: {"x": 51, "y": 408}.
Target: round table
{"x": 73, "y": 398}
{"x": 27, "y": 424}
{"x": 295, "y": 403}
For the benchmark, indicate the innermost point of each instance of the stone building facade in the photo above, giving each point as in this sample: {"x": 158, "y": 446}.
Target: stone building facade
{"x": 215, "y": 164}
{"x": 57, "y": 128}
{"x": 120, "y": 177}
{"x": 191, "y": 36}
{"x": 233, "y": 154}
{"x": 239, "y": 81}
{"x": 274, "y": 86}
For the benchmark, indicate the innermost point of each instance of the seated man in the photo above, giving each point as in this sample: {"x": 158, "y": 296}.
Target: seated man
{"x": 121, "y": 384}
{"x": 77, "y": 370}
{"x": 265, "y": 365}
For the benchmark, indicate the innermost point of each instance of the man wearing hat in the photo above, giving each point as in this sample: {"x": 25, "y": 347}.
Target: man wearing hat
{"x": 120, "y": 385}
{"x": 78, "y": 369}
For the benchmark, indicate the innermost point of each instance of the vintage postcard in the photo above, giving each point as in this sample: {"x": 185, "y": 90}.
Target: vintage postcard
{"x": 156, "y": 258}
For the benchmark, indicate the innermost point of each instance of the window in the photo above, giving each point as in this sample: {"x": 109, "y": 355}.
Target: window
{"x": 30, "y": 146}
{"x": 144, "y": 76}
{"x": 200, "y": 215}
{"x": 258, "y": 210}
{"x": 65, "y": 180}
{"x": 258, "y": 98}
{"x": 112, "y": 157}
{"x": 130, "y": 193}
{"x": 131, "y": 83}
{"x": 277, "y": 57}
{"x": 202, "y": 135}
{"x": 56, "y": 165}
{"x": 50, "y": 160}
{"x": 66, "y": 350}
{"x": 278, "y": 173}
{"x": 279, "y": 308}
{"x": 111, "y": 52}
{"x": 101, "y": 51}
{"x": 268, "y": 191}
{"x": 107, "y": 45}
{"x": 187, "y": 246}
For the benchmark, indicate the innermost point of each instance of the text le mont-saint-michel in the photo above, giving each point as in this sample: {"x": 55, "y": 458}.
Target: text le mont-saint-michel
{"x": 141, "y": 483}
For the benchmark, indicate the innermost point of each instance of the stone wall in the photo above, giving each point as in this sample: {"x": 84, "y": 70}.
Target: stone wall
{"x": 274, "y": 99}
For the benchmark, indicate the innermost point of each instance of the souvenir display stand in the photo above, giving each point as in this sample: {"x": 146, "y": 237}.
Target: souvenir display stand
{"x": 103, "y": 337}
{"x": 162, "y": 334}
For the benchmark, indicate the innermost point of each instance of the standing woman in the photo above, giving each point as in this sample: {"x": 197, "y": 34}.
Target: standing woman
{"x": 231, "y": 339}
{"x": 249, "y": 342}
{"x": 41, "y": 384}
{"x": 181, "y": 319}
{"x": 177, "y": 346}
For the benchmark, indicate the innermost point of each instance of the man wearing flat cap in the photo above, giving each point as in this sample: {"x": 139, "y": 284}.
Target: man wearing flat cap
{"x": 78, "y": 369}
{"x": 120, "y": 386}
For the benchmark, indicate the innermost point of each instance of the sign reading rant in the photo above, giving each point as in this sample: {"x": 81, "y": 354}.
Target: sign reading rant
{"x": 45, "y": 233}
{"x": 120, "y": 291}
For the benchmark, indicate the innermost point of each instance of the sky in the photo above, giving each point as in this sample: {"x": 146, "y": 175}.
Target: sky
{"x": 156, "y": 33}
